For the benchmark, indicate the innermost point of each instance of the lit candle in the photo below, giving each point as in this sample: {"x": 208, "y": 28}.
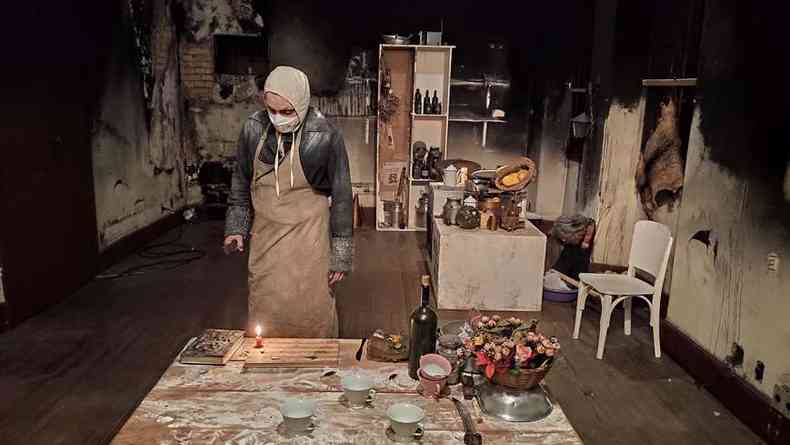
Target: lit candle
{"x": 258, "y": 338}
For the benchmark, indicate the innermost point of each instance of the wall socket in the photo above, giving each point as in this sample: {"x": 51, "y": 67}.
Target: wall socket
{"x": 773, "y": 262}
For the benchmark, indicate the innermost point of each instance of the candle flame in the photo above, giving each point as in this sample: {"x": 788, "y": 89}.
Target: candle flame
{"x": 258, "y": 330}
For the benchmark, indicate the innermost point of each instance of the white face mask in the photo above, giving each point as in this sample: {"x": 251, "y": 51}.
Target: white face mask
{"x": 284, "y": 124}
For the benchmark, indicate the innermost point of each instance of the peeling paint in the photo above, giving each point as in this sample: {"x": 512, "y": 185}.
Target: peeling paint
{"x": 137, "y": 136}
{"x": 206, "y": 17}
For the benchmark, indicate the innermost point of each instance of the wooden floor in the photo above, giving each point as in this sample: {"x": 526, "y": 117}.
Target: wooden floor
{"x": 75, "y": 373}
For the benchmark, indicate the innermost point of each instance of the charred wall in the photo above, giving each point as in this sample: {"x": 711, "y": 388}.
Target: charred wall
{"x": 732, "y": 215}
{"x": 733, "y": 193}
{"x": 744, "y": 96}
{"x": 138, "y": 160}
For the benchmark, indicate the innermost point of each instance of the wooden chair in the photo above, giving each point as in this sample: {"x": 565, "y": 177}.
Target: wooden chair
{"x": 650, "y": 249}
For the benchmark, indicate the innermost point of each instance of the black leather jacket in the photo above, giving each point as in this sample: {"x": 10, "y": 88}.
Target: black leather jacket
{"x": 325, "y": 165}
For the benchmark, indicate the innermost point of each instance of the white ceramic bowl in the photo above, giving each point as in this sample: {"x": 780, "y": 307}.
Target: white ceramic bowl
{"x": 358, "y": 388}
{"x": 357, "y": 382}
{"x": 405, "y": 418}
{"x": 298, "y": 414}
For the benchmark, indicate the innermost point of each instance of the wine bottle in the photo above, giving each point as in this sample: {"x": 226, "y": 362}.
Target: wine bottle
{"x": 418, "y": 102}
{"x": 426, "y": 105}
{"x": 422, "y": 332}
{"x": 435, "y": 103}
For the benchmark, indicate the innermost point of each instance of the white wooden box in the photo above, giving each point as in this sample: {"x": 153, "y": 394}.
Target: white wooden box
{"x": 482, "y": 269}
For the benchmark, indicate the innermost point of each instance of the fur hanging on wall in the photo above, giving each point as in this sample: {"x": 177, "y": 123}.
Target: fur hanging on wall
{"x": 659, "y": 174}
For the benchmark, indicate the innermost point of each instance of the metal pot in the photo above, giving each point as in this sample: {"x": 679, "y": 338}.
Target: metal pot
{"x": 514, "y": 405}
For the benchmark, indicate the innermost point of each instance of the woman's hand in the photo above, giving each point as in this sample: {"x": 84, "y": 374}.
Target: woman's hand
{"x": 336, "y": 277}
{"x": 230, "y": 239}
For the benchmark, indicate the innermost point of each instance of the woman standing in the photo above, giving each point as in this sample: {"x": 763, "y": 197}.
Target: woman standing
{"x": 291, "y": 163}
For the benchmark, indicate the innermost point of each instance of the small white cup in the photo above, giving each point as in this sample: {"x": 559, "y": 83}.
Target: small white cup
{"x": 405, "y": 419}
{"x": 358, "y": 389}
{"x": 298, "y": 414}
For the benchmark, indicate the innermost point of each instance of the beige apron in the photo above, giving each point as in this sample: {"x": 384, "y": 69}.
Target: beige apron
{"x": 289, "y": 255}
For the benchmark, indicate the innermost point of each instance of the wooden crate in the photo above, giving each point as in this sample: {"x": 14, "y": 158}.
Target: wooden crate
{"x": 293, "y": 353}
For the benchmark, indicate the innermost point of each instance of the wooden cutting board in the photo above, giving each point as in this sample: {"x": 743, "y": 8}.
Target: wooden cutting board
{"x": 293, "y": 353}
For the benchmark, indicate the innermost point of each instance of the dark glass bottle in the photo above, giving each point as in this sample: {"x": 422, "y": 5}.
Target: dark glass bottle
{"x": 418, "y": 102}
{"x": 426, "y": 104}
{"x": 435, "y": 103}
{"x": 422, "y": 332}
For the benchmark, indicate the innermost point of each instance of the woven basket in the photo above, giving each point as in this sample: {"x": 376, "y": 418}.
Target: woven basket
{"x": 523, "y": 163}
{"x": 524, "y": 380}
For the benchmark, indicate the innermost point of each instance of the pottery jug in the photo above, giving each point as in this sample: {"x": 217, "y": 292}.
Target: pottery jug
{"x": 450, "y": 210}
{"x": 450, "y": 176}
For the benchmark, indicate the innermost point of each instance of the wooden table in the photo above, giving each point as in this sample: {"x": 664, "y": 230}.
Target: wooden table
{"x": 203, "y": 404}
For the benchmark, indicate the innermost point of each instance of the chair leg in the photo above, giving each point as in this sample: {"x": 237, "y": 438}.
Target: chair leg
{"x": 656, "y": 323}
{"x": 581, "y": 300}
{"x": 627, "y": 315}
{"x": 606, "y": 316}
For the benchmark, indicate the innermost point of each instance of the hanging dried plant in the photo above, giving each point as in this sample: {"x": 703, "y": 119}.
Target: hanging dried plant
{"x": 389, "y": 102}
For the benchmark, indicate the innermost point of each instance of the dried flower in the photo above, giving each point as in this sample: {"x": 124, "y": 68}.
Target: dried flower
{"x": 485, "y": 319}
{"x": 541, "y": 349}
{"x": 491, "y": 324}
{"x": 523, "y": 353}
{"x": 480, "y": 325}
{"x": 496, "y": 318}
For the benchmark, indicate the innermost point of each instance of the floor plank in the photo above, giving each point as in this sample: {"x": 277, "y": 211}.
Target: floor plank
{"x": 76, "y": 372}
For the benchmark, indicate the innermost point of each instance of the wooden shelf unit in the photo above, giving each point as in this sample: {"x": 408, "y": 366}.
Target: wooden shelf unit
{"x": 411, "y": 67}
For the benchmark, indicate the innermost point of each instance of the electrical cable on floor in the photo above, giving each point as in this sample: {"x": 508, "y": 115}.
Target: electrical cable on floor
{"x": 170, "y": 254}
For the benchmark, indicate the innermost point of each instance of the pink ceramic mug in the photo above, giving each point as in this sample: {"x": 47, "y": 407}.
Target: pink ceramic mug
{"x": 433, "y": 373}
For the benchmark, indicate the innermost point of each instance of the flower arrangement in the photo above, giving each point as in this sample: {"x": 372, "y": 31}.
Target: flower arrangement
{"x": 510, "y": 345}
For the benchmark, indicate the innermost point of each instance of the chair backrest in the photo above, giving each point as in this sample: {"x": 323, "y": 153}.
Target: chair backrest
{"x": 650, "y": 248}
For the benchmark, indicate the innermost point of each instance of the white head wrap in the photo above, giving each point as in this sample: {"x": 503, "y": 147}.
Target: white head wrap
{"x": 292, "y": 85}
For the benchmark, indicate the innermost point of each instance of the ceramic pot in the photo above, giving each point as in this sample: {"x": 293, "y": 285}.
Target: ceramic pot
{"x": 468, "y": 217}
{"x": 450, "y": 176}
{"x": 450, "y": 211}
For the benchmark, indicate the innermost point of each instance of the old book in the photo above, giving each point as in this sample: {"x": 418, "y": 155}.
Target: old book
{"x": 213, "y": 347}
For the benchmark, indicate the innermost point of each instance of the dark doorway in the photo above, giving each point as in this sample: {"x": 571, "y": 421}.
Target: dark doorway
{"x": 49, "y": 240}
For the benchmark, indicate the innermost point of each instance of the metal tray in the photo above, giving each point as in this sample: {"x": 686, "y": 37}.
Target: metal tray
{"x": 514, "y": 405}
